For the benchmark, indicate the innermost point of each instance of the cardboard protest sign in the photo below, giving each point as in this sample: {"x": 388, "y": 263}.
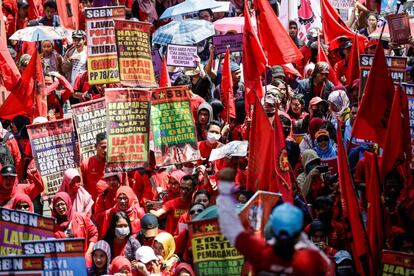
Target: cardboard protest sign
{"x": 18, "y": 226}
{"x": 234, "y": 41}
{"x": 90, "y": 120}
{"x": 396, "y": 67}
{"x": 54, "y": 151}
{"x": 21, "y": 265}
{"x": 102, "y": 52}
{"x": 212, "y": 252}
{"x": 181, "y": 56}
{"x": 172, "y": 124}
{"x": 409, "y": 90}
{"x": 399, "y": 26}
{"x": 134, "y": 53}
{"x": 397, "y": 263}
{"x": 61, "y": 256}
{"x": 331, "y": 163}
{"x": 127, "y": 112}
{"x": 234, "y": 148}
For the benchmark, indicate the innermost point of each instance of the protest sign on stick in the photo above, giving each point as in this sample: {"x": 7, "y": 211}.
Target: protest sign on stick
{"x": 128, "y": 112}
{"x": 172, "y": 125}
{"x": 399, "y": 26}
{"x": 234, "y": 41}
{"x": 102, "y": 52}
{"x": 18, "y": 226}
{"x": 54, "y": 151}
{"x": 181, "y": 56}
{"x": 134, "y": 53}
{"x": 90, "y": 120}
{"x": 21, "y": 265}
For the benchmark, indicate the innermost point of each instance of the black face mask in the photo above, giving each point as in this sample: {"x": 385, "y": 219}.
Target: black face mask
{"x": 325, "y": 217}
{"x": 345, "y": 271}
{"x": 285, "y": 248}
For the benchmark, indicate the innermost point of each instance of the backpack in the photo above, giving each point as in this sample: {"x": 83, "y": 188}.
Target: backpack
{"x": 6, "y": 158}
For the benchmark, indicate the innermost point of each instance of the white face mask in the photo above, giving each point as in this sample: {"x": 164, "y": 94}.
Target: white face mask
{"x": 187, "y": 170}
{"x": 121, "y": 232}
{"x": 213, "y": 137}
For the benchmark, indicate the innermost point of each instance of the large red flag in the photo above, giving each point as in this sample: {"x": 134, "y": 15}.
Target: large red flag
{"x": 27, "y": 97}
{"x": 68, "y": 11}
{"x": 350, "y": 206}
{"x": 375, "y": 227}
{"x": 282, "y": 167}
{"x": 353, "y": 70}
{"x": 254, "y": 61}
{"x": 35, "y": 9}
{"x": 332, "y": 24}
{"x": 373, "y": 114}
{"x": 227, "y": 95}
{"x": 164, "y": 77}
{"x": 397, "y": 145}
{"x": 260, "y": 171}
{"x": 322, "y": 57}
{"x": 277, "y": 44}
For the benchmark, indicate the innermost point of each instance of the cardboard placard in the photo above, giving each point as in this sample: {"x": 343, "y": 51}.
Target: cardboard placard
{"x": 181, "y": 56}
{"x": 397, "y": 263}
{"x": 399, "y": 26}
{"x": 234, "y": 41}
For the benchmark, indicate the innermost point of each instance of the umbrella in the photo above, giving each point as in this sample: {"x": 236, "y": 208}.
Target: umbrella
{"x": 40, "y": 33}
{"x": 189, "y": 6}
{"x": 231, "y": 24}
{"x": 185, "y": 32}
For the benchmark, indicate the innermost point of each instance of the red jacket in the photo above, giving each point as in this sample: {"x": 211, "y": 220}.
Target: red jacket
{"x": 92, "y": 171}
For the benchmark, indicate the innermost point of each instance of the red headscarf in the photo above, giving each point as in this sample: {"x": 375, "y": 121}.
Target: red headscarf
{"x": 118, "y": 264}
{"x": 314, "y": 126}
{"x": 184, "y": 266}
{"x": 22, "y": 197}
{"x": 62, "y": 221}
{"x": 132, "y": 198}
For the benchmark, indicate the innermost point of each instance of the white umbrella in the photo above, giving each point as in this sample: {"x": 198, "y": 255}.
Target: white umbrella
{"x": 190, "y": 6}
{"x": 40, "y": 33}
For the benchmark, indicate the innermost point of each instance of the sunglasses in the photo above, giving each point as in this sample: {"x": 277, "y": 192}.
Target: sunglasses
{"x": 196, "y": 212}
{"x": 22, "y": 206}
{"x": 322, "y": 139}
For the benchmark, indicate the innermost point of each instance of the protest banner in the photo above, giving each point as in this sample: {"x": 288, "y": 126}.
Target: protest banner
{"x": 54, "y": 151}
{"x": 234, "y": 148}
{"x": 18, "y": 226}
{"x": 342, "y": 4}
{"x": 181, "y": 56}
{"x": 172, "y": 123}
{"x": 21, "y": 265}
{"x": 409, "y": 90}
{"x": 331, "y": 163}
{"x": 127, "y": 111}
{"x": 399, "y": 26}
{"x": 234, "y": 41}
{"x": 396, "y": 67}
{"x": 102, "y": 52}
{"x": 212, "y": 252}
{"x": 397, "y": 263}
{"x": 388, "y": 6}
{"x": 156, "y": 62}
{"x": 61, "y": 256}
{"x": 134, "y": 53}
{"x": 90, "y": 120}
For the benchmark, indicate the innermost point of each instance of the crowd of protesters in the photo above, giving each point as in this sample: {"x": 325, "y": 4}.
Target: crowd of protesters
{"x": 137, "y": 223}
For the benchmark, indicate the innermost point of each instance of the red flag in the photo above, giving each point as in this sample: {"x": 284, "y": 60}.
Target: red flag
{"x": 164, "y": 77}
{"x": 284, "y": 183}
{"x": 68, "y": 11}
{"x": 332, "y": 24}
{"x": 322, "y": 57}
{"x": 350, "y": 205}
{"x": 35, "y": 9}
{"x": 254, "y": 61}
{"x": 397, "y": 145}
{"x": 352, "y": 72}
{"x": 27, "y": 97}
{"x": 277, "y": 44}
{"x": 375, "y": 227}
{"x": 227, "y": 95}
{"x": 373, "y": 114}
{"x": 260, "y": 171}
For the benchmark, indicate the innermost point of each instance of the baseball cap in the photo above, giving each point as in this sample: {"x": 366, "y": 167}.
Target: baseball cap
{"x": 145, "y": 254}
{"x": 277, "y": 71}
{"x": 315, "y": 101}
{"x": 22, "y": 4}
{"x": 234, "y": 67}
{"x": 192, "y": 72}
{"x": 8, "y": 170}
{"x": 149, "y": 225}
{"x": 321, "y": 132}
{"x": 341, "y": 256}
{"x": 286, "y": 221}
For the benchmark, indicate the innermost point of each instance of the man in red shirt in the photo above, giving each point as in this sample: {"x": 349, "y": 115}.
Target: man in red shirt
{"x": 176, "y": 207}
{"x": 93, "y": 168}
{"x": 213, "y": 137}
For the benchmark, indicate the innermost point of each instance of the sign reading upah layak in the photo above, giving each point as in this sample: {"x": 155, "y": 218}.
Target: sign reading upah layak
{"x": 90, "y": 120}
{"x": 172, "y": 125}
{"x": 127, "y": 112}
{"x": 212, "y": 252}
{"x": 134, "y": 53}
{"x": 61, "y": 256}
{"x": 54, "y": 151}
{"x": 102, "y": 53}
{"x": 21, "y": 265}
{"x": 18, "y": 226}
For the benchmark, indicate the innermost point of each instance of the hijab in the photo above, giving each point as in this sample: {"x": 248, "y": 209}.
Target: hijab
{"x": 132, "y": 198}
{"x": 22, "y": 197}
{"x": 314, "y": 126}
{"x": 340, "y": 99}
{"x": 168, "y": 243}
{"x": 62, "y": 221}
{"x": 184, "y": 266}
{"x": 118, "y": 264}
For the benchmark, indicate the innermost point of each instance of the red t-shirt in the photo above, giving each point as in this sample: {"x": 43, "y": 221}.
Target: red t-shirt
{"x": 175, "y": 208}
{"x": 205, "y": 148}
{"x": 92, "y": 171}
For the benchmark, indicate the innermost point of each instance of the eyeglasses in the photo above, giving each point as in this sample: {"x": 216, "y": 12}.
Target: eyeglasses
{"x": 322, "y": 139}
{"x": 196, "y": 212}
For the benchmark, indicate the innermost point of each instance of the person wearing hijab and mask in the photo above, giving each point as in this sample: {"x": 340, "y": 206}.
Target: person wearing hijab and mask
{"x": 120, "y": 266}
{"x": 101, "y": 258}
{"x": 164, "y": 247}
{"x": 81, "y": 200}
{"x": 71, "y": 224}
{"x": 173, "y": 185}
{"x": 308, "y": 141}
{"x": 120, "y": 238}
{"x": 22, "y": 202}
{"x": 338, "y": 106}
{"x": 324, "y": 145}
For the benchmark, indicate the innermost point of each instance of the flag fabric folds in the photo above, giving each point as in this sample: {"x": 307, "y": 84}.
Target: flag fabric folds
{"x": 227, "y": 95}
{"x": 164, "y": 77}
